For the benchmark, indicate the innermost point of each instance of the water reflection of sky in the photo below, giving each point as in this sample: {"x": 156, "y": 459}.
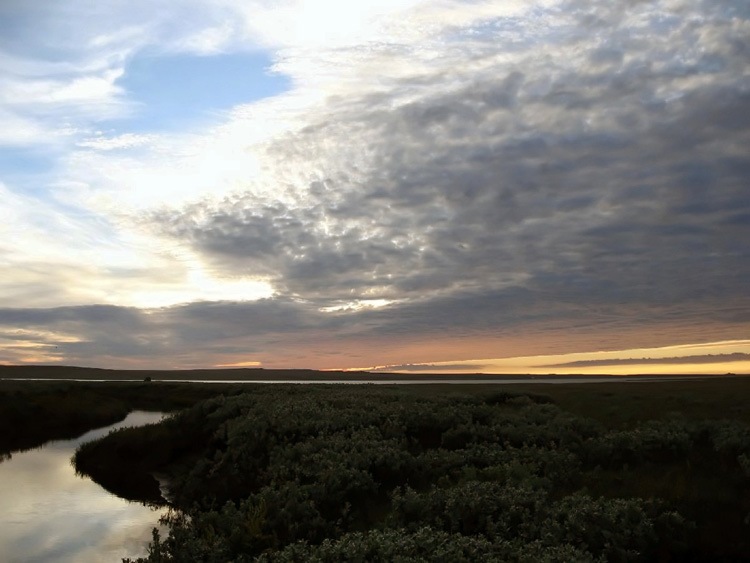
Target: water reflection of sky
{"x": 50, "y": 514}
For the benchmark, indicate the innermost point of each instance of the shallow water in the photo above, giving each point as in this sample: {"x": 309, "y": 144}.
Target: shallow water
{"x": 48, "y": 513}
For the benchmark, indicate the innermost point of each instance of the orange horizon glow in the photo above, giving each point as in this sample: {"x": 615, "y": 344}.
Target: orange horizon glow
{"x": 650, "y": 361}
{"x": 248, "y": 364}
{"x": 510, "y": 355}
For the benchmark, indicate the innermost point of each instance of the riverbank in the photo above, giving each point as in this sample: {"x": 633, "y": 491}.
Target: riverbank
{"x": 34, "y": 412}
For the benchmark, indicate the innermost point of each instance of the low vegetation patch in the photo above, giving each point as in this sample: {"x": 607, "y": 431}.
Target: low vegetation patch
{"x": 365, "y": 473}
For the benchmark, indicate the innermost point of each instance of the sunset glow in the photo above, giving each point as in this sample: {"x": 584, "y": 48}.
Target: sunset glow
{"x": 707, "y": 358}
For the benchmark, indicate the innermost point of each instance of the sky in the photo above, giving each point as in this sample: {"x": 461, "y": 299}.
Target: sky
{"x": 558, "y": 186}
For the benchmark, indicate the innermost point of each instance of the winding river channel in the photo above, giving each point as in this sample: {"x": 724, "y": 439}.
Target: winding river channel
{"x": 48, "y": 513}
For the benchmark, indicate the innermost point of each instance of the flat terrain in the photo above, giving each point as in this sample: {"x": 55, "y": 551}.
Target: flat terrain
{"x": 294, "y": 375}
{"x": 33, "y": 412}
{"x": 632, "y": 469}
{"x": 628, "y": 471}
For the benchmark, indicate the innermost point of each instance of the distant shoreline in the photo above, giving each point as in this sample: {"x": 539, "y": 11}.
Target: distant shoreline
{"x": 261, "y": 375}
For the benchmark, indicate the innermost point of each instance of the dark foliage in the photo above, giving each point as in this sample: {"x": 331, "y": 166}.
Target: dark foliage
{"x": 425, "y": 473}
{"x": 367, "y": 474}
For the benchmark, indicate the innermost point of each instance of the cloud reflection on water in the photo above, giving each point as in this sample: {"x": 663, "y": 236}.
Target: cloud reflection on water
{"x": 51, "y": 514}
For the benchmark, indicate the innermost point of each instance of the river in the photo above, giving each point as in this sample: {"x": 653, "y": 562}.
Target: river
{"x": 48, "y": 513}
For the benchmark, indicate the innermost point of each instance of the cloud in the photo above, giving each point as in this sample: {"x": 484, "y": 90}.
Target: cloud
{"x": 199, "y": 334}
{"x": 705, "y": 359}
{"x": 286, "y": 332}
{"x": 432, "y": 368}
{"x": 124, "y": 141}
{"x": 499, "y": 170}
{"x": 61, "y": 64}
{"x": 573, "y": 177}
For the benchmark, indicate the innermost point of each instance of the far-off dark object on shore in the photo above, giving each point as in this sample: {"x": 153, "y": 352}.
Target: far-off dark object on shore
{"x": 147, "y": 378}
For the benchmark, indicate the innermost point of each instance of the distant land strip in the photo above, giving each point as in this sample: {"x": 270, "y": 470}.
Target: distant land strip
{"x": 32, "y": 372}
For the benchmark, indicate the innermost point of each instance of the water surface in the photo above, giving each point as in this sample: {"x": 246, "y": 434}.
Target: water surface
{"x": 48, "y": 513}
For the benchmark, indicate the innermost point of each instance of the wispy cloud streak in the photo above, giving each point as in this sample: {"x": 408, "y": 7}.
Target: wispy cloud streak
{"x": 706, "y": 359}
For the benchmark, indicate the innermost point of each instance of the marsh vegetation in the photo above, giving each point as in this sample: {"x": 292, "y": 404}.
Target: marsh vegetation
{"x": 647, "y": 472}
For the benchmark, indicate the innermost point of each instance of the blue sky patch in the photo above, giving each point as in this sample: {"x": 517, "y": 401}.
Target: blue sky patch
{"x": 172, "y": 91}
{"x": 18, "y": 163}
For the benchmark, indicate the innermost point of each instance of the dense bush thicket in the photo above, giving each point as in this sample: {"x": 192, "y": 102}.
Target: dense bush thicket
{"x": 365, "y": 474}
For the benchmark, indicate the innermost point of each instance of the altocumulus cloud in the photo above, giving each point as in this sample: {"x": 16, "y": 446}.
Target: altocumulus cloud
{"x": 559, "y": 167}
{"x": 586, "y": 153}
